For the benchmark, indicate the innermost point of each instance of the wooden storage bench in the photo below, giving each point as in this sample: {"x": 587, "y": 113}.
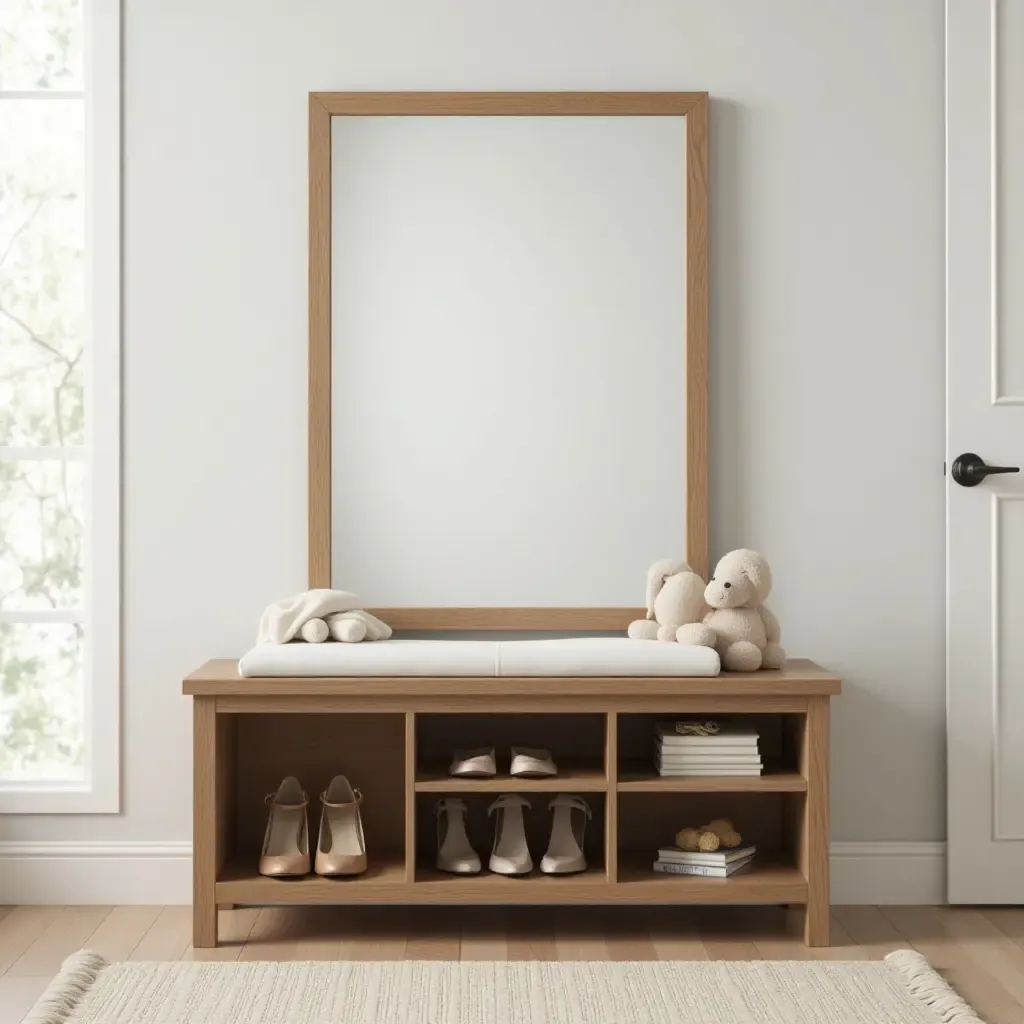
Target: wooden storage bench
{"x": 393, "y": 737}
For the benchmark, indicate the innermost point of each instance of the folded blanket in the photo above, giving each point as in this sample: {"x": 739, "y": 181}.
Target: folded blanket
{"x": 316, "y": 614}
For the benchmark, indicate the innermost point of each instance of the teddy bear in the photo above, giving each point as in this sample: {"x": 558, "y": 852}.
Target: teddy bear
{"x": 675, "y": 599}
{"x": 743, "y": 631}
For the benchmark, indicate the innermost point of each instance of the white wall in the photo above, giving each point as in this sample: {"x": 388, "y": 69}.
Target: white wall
{"x": 827, "y": 361}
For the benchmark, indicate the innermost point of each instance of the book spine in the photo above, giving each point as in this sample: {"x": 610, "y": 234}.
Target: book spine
{"x": 721, "y": 745}
{"x": 669, "y": 856}
{"x": 689, "y": 869}
{"x": 711, "y": 762}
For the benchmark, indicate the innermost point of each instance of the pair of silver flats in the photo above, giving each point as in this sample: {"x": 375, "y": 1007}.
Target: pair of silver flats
{"x": 510, "y": 854}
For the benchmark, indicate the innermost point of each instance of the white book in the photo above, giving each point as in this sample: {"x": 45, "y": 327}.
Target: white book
{"x": 712, "y": 766}
{"x": 708, "y": 748}
{"x": 704, "y": 870}
{"x": 659, "y": 744}
{"x": 680, "y": 773}
{"x": 673, "y": 855}
{"x": 708, "y": 759}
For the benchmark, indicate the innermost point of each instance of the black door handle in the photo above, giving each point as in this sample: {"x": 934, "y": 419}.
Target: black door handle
{"x": 970, "y": 469}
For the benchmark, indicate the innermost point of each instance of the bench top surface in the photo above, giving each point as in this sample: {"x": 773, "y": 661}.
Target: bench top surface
{"x": 800, "y": 678}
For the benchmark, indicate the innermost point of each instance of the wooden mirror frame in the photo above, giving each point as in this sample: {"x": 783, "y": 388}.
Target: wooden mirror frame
{"x": 325, "y": 105}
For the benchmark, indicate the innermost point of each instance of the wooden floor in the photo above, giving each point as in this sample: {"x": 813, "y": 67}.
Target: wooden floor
{"x": 980, "y": 951}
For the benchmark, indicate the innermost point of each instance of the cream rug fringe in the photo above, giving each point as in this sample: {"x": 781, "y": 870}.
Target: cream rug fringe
{"x": 927, "y": 985}
{"x": 66, "y": 991}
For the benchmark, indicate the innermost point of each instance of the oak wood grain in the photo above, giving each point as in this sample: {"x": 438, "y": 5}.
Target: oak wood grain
{"x": 319, "y": 356}
{"x": 512, "y": 104}
{"x": 205, "y": 826}
{"x": 697, "y": 336}
{"x": 812, "y": 849}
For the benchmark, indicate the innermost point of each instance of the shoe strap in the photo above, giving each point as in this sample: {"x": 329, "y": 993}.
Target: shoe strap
{"x": 271, "y": 801}
{"x": 357, "y": 793}
{"x": 508, "y": 800}
{"x": 568, "y": 800}
{"x": 450, "y": 803}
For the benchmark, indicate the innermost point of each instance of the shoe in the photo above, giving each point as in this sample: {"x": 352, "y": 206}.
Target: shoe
{"x": 565, "y": 848}
{"x": 454, "y": 853}
{"x": 286, "y": 842}
{"x": 342, "y": 846}
{"x": 474, "y": 764}
{"x": 531, "y": 763}
{"x": 510, "y": 855}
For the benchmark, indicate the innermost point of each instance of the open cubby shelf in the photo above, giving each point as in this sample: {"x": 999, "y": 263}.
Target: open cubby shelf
{"x": 394, "y": 742}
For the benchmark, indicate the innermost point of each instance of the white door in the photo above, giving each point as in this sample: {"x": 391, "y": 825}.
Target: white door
{"x": 985, "y": 416}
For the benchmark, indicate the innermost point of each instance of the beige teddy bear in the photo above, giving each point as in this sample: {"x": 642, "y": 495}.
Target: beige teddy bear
{"x": 675, "y": 600}
{"x": 743, "y": 631}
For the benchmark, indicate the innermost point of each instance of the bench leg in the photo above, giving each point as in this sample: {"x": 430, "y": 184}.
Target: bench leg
{"x": 204, "y": 823}
{"x": 814, "y": 828}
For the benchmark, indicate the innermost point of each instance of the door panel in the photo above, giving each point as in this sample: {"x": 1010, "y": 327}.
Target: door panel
{"x": 1009, "y": 199}
{"x": 985, "y": 414}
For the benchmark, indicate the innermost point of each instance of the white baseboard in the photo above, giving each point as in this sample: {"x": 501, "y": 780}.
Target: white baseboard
{"x": 95, "y": 873}
{"x": 161, "y": 873}
{"x": 888, "y": 873}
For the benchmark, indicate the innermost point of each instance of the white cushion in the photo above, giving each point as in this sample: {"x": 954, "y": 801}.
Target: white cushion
{"x": 597, "y": 656}
{"x": 604, "y": 656}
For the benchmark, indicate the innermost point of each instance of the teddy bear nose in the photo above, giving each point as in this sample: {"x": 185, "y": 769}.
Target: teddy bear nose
{"x": 728, "y": 585}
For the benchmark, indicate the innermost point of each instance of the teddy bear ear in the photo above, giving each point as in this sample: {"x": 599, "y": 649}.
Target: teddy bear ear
{"x": 756, "y": 569}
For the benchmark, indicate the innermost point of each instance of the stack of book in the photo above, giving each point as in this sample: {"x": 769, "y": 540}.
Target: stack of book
{"x": 720, "y": 864}
{"x": 731, "y": 751}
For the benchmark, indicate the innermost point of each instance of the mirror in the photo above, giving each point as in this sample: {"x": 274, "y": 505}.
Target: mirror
{"x": 510, "y": 346}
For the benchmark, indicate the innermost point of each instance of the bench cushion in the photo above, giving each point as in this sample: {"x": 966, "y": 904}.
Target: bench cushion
{"x": 591, "y": 656}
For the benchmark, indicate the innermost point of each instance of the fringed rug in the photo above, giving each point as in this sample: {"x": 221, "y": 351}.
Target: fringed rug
{"x": 902, "y": 989}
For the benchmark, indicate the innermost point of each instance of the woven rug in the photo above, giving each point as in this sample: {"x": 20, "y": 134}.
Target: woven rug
{"x": 902, "y": 989}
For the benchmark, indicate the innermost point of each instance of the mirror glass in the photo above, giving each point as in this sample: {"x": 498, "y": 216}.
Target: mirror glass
{"x": 508, "y": 358}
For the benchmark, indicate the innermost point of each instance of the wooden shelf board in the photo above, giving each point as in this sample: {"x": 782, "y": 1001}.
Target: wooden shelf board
{"x": 768, "y": 880}
{"x": 568, "y": 780}
{"x": 434, "y": 886}
{"x": 384, "y": 882}
{"x": 240, "y": 882}
{"x": 648, "y": 781}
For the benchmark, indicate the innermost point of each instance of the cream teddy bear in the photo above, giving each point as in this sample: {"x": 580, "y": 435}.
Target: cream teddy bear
{"x": 743, "y": 631}
{"x": 675, "y": 599}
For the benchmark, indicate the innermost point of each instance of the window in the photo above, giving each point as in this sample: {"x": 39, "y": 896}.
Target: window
{"x": 59, "y": 404}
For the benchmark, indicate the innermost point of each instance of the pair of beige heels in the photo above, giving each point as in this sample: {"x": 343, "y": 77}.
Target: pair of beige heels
{"x": 341, "y": 849}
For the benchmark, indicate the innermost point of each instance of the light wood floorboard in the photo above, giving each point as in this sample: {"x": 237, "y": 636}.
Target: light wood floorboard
{"x": 20, "y": 928}
{"x": 68, "y": 932}
{"x": 980, "y": 951}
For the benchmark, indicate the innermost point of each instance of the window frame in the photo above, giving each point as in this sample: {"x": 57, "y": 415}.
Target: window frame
{"x": 100, "y": 790}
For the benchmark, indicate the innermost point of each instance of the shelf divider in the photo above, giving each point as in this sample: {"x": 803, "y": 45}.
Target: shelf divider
{"x": 611, "y": 803}
{"x": 410, "y": 797}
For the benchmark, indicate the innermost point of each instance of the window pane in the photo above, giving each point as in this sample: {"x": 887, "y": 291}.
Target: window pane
{"x": 41, "y": 516}
{"x": 40, "y": 44}
{"x": 41, "y": 702}
{"x": 42, "y": 229}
